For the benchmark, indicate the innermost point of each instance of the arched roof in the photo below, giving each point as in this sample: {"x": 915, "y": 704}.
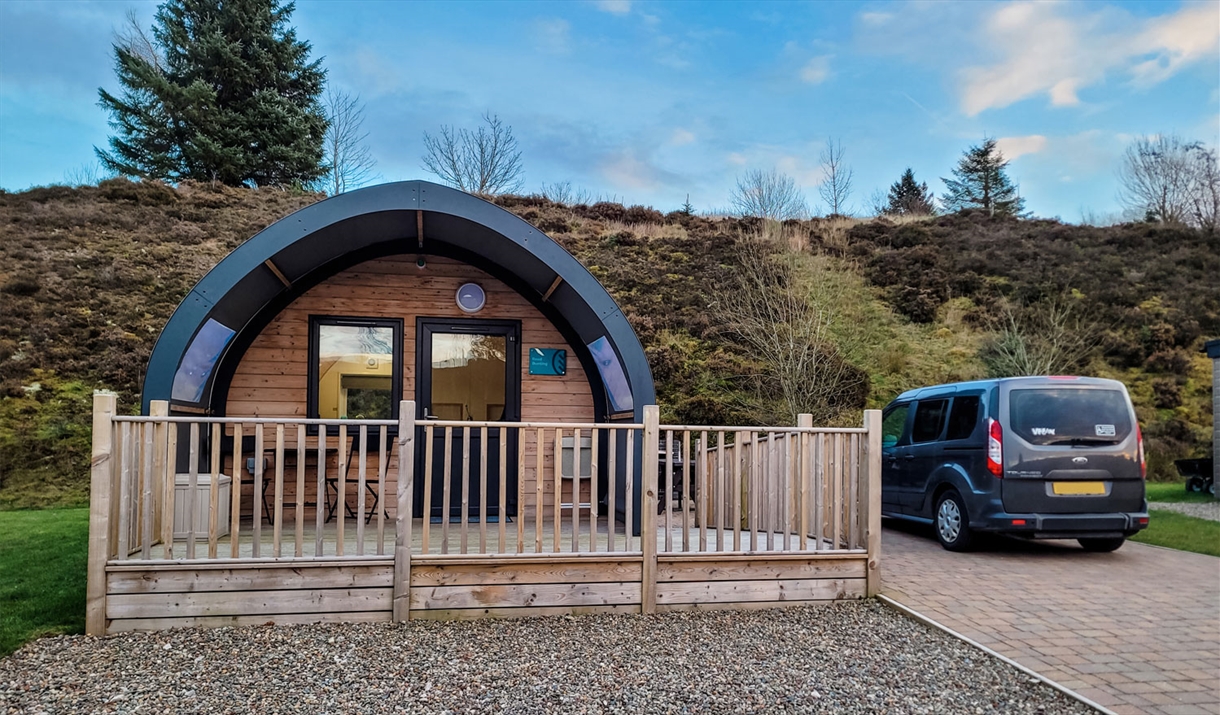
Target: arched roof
{"x": 245, "y": 291}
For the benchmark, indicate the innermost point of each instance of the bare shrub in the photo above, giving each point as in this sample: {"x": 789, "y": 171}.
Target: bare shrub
{"x": 562, "y": 192}
{"x": 1049, "y": 337}
{"x": 485, "y": 162}
{"x": 768, "y": 194}
{"x": 783, "y": 313}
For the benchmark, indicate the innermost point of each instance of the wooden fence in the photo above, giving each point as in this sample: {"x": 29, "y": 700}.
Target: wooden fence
{"x": 226, "y": 521}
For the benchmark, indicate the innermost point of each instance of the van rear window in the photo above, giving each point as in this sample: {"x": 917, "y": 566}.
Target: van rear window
{"x": 1070, "y": 416}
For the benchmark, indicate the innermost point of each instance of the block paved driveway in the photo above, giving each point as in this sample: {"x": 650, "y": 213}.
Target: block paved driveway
{"x": 1137, "y": 630}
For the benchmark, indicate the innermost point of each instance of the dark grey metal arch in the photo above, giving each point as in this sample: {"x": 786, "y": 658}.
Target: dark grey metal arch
{"x": 243, "y": 292}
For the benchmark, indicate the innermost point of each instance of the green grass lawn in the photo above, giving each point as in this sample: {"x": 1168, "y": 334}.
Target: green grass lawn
{"x": 1178, "y": 531}
{"x": 1173, "y": 491}
{"x": 42, "y": 574}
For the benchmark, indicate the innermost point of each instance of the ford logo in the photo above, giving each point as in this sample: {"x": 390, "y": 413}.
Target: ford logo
{"x": 1080, "y": 460}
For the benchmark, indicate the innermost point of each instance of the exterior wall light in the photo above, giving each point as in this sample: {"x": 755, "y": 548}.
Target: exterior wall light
{"x": 471, "y": 298}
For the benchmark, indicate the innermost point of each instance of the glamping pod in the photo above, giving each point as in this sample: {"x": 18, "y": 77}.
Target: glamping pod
{"x": 404, "y": 291}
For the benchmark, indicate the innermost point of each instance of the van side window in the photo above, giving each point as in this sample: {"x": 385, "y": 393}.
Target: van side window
{"x": 929, "y": 419}
{"x": 963, "y": 416}
{"x": 893, "y": 424}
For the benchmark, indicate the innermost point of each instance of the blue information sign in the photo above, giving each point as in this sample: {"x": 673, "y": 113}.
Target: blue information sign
{"x": 548, "y": 361}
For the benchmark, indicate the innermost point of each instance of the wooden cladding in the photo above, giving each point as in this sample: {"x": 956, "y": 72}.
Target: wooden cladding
{"x": 271, "y": 378}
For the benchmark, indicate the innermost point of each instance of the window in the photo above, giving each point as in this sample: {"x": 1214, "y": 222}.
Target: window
{"x": 963, "y": 417}
{"x": 893, "y": 424}
{"x": 355, "y": 368}
{"x": 1070, "y": 415}
{"x": 929, "y": 419}
{"x": 612, "y": 374}
{"x": 206, "y": 348}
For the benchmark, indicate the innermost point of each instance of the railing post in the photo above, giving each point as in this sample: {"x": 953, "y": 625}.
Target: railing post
{"x": 804, "y": 475}
{"x": 403, "y": 516}
{"x": 872, "y": 502}
{"x": 648, "y": 515}
{"x": 164, "y": 525}
{"x": 100, "y": 488}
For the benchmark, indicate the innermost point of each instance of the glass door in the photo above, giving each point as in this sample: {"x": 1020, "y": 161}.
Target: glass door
{"x": 468, "y": 371}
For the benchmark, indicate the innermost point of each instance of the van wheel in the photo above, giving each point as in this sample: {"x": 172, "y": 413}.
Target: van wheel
{"x": 952, "y": 522}
{"x": 1102, "y": 546}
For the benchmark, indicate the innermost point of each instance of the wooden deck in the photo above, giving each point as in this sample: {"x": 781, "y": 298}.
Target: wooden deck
{"x": 804, "y": 504}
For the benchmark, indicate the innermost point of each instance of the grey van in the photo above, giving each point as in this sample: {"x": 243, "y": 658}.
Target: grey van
{"x": 1041, "y": 457}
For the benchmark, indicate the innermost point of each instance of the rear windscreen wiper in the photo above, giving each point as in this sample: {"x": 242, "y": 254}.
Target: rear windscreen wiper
{"x": 1078, "y": 441}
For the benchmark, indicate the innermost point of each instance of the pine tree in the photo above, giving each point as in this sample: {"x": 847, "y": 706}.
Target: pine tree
{"x": 982, "y": 183}
{"x": 909, "y": 198}
{"x": 224, "y": 91}
{"x": 687, "y": 209}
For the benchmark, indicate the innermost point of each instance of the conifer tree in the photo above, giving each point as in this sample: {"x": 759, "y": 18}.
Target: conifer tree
{"x": 982, "y": 183}
{"x": 910, "y": 198}
{"x": 223, "y": 91}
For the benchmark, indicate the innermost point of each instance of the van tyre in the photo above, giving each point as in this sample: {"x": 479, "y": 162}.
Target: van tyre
{"x": 1102, "y": 546}
{"x": 952, "y": 522}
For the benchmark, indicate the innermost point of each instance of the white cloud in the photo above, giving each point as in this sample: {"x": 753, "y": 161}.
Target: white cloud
{"x": 805, "y": 175}
{"x": 616, "y": 7}
{"x": 1175, "y": 41}
{"x": 1050, "y": 48}
{"x": 625, "y": 169}
{"x": 681, "y": 137}
{"x": 1013, "y": 147}
{"x": 553, "y": 35}
{"x": 816, "y": 70}
{"x": 736, "y": 159}
{"x": 876, "y": 18}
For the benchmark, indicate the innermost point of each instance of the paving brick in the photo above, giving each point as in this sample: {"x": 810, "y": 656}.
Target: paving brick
{"x": 1137, "y": 630}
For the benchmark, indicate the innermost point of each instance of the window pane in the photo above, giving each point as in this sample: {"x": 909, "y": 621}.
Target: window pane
{"x": 1061, "y": 416}
{"x": 355, "y": 372}
{"x": 963, "y": 417}
{"x": 200, "y": 358}
{"x": 893, "y": 424}
{"x": 612, "y": 374}
{"x": 929, "y": 418}
{"x": 469, "y": 376}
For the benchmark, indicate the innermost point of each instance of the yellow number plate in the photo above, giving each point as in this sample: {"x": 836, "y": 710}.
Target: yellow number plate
{"x": 1079, "y": 487}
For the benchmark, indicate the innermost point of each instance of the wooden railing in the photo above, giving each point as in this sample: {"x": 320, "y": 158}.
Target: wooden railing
{"x": 561, "y": 490}
{"x": 185, "y": 487}
{"x": 762, "y": 488}
{"x": 666, "y": 512}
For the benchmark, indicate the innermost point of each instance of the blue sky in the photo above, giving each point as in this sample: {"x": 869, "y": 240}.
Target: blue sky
{"x": 648, "y": 102}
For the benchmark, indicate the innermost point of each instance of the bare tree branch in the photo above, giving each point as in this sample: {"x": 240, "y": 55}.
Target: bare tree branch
{"x": 781, "y": 312}
{"x": 1049, "y": 337}
{"x": 134, "y": 39}
{"x": 349, "y": 163}
{"x": 768, "y": 194}
{"x": 485, "y": 162}
{"x": 836, "y": 179}
{"x": 1169, "y": 180}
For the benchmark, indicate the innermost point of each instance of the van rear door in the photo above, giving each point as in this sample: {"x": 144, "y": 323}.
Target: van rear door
{"x": 1070, "y": 449}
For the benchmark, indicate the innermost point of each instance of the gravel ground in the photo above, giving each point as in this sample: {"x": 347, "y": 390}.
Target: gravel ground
{"x": 849, "y": 657}
{"x": 1202, "y": 510}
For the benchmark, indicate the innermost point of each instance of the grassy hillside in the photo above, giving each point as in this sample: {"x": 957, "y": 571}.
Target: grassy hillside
{"x": 88, "y": 276}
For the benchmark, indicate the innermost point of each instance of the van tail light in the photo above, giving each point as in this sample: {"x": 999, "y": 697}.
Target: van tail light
{"x": 995, "y": 448}
{"x": 1139, "y": 441}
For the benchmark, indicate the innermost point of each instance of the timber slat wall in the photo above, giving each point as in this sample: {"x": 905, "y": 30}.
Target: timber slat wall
{"x": 157, "y": 597}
